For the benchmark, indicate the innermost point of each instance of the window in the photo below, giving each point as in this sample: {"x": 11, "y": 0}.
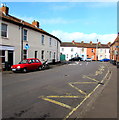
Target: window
{"x": 55, "y": 42}
{"x": 82, "y": 56}
{"x": 25, "y": 54}
{"x": 105, "y": 50}
{"x": 50, "y": 41}
{"x": 36, "y": 54}
{"x": 42, "y": 54}
{"x": 92, "y": 57}
{"x": 2, "y": 56}
{"x": 62, "y": 49}
{"x": 92, "y": 50}
{"x": 42, "y": 41}
{"x": 82, "y": 49}
{"x": 4, "y": 30}
{"x": 71, "y": 49}
{"x": 54, "y": 55}
{"x": 25, "y": 35}
{"x": 67, "y": 55}
{"x": 50, "y": 55}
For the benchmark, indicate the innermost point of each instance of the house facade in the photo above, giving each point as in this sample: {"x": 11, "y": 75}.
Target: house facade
{"x": 20, "y": 40}
{"x": 114, "y": 51}
{"x": 85, "y": 50}
{"x": 70, "y": 50}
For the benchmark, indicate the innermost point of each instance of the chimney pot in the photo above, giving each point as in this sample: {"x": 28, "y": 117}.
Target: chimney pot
{"x": 35, "y": 23}
{"x": 91, "y": 42}
{"x": 5, "y": 9}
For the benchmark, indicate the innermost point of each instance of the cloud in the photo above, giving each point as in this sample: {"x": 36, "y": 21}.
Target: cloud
{"x": 78, "y": 37}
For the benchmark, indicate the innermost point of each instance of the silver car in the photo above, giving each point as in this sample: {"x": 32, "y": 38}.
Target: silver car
{"x": 88, "y": 59}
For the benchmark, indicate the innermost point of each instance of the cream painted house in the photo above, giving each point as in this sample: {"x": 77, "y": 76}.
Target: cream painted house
{"x": 20, "y": 39}
{"x": 103, "y": 53}
{"x": 70, "y": 50}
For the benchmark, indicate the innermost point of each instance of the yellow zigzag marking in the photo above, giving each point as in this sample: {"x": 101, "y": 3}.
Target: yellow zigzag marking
{"x": 79, "y": 90}
{"x": 65, "y": 105}
{"x": 72, "y": 84}
{"x": 84, "y": 76}
{"x": 65, "y": 97}
{"x": 58, "y": 103}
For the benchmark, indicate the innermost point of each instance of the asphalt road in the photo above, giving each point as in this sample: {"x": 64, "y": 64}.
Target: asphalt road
{"x": 52, "y": 93}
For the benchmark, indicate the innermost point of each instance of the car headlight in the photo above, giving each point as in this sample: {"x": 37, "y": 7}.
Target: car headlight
{"x": 18, "y": 66}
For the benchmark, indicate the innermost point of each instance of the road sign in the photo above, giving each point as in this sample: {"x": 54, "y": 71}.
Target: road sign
{"x": 27, "y": 46}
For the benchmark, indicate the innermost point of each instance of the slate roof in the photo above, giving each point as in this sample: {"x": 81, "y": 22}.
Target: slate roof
{"x": 85, "y": 45}
{"x": 20, "y": 22}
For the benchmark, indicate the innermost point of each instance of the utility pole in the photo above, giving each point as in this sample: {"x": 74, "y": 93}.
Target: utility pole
{"x": 97, "y": 51}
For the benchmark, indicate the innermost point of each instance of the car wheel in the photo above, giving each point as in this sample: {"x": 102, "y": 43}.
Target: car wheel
{"x": 40, "y": 68}
{"x": 24, "y": 70}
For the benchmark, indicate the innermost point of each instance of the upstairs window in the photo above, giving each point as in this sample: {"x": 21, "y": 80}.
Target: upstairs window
{"x": 42, "y": 40}
{"x": 92, "y": 50}
{"x": 50, "y": 41}
{"x": 3, "y": 30}
{"x": 25, "y": 35}
{"x": 42, "y": 54}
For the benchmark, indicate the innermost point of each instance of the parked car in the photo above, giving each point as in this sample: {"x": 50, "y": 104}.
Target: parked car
{"x": 105, "y": 60}
{"x": 76, "y": 59}
{"x": 27, "y": 65}
{"x": 117, "y": 64}
{"x": 88, "y": 59}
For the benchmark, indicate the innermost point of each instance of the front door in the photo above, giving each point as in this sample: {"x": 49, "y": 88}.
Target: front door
{"x": 10, "y": 57}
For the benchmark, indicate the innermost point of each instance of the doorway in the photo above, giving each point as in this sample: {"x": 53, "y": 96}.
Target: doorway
{"x": 10, "y": 57}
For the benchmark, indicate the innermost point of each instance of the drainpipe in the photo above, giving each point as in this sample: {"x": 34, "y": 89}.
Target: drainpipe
{"x": 22, "y": 41}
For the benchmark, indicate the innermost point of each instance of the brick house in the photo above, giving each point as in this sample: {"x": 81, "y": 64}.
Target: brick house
{"x": 114, "y": 51}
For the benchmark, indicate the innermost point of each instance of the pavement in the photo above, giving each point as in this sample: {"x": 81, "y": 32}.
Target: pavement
{"x": 105, "y": 106}
{"x": 51, "y": 66}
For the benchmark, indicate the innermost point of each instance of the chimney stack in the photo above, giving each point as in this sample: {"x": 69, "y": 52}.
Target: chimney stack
{"x": 35, "y": 23}
{"x": 5, "y": 9}
{"x": 99, "y": 43}
{"x": 91, "y": 42}
{"x": 109, "y": 43}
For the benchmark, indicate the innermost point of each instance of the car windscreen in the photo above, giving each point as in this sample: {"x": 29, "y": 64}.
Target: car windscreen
{"x": 23, "y": 62}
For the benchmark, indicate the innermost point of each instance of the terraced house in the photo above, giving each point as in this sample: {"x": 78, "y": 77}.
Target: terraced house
{"x": 114, "y": 51}
{"x": 96, "y": 51}
{"x": 20, "y": 39}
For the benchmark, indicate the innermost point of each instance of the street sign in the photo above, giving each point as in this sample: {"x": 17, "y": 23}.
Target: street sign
{"x": 27, "y": 46}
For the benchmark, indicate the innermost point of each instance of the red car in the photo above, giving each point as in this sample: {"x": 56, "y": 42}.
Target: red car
{"x": 27, "y": 65}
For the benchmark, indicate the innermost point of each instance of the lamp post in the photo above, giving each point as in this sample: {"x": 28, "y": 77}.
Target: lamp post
{"x": 97, "y": 51}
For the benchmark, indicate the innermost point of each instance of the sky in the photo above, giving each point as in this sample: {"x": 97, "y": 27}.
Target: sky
{"x": 78, "y": 21}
